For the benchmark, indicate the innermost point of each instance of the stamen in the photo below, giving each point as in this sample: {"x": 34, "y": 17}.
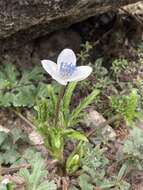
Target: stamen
{"x": 67, "y": 69}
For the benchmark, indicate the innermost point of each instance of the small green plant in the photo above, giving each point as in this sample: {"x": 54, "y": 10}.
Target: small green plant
{"x": 132, "y": 150}
{"x": 56, "y": 120}
{"x": 101, "y": 74}
{"x": 34, "y": 179}
{"x": 100, "y": 77}
{"x": 54, "y": 135}
{"x": 118, "y": 66}
{"x": 94, "y": 165}
{"x": 126, "y": 106}
{"x": 18, "y": 89}
{"x": 9, "y": 145}
{"x": 84, "y": 53}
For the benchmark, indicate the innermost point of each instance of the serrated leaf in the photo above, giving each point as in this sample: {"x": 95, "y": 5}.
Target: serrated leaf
{"x": 17, "y": 134}
{"x": 25, "y": 174}
{"x": 82, "y": 105}
{"x": 28, "y": 155}
{"x": 35, "y": 74}
{"x": 25, "y": 96}
{"x": 6, "y": 99}
{"x": 10, "y": 156}
{"x": 84, "y": 182}
{"x": 10, "y": 72}
{"x": 34, "y": 180}
{"x": 42, "y": 90}
{"x": 47, "y": 186}
{"x": 4, "y": 84}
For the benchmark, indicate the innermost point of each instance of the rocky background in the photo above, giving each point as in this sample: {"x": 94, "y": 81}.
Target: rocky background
{"x": 31, "y": 30}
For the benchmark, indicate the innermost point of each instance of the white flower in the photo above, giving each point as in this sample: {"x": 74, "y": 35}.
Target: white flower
{"x": 66, "y": 70}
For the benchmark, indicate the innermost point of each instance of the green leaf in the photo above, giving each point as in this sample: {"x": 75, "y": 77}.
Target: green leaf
{"x": 47, "y": 186}
{"x": 42, "y": 91}
{"x": 24, "y": 91}
{"x": 28, "y": 155}
{"x": 68, "y": 95}
{"x": 107, "y": 185}
{"x": 6, "y": 99}
{"x": 82, "y": 105}
{"x": 3, "y": 136}
{"x": 10, "y": 73}
{"x": 133, "y": 146}
{"x": 26, "y": 175}
{"x": 35, "y": 180}
{"x": 17, "y": 134}
{"x": 75, "y": 135}
{"x": 84, "y": 182}
{"x": 25, "y": 97}
{"x": 122, "y": 171}
{"x": 10, "y": 156}
{"x": 52, "y": 97}
{"x": 35, "y": 75}
{"x": 126, "y": 105}
{"x": 72, "y": 163}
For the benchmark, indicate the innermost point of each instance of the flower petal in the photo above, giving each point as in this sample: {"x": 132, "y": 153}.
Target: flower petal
{"x": 60, "y": 80}
{"x": 80, "y": 73}
{"x": 52, "y": 69}
{"x": 66, "y": 56}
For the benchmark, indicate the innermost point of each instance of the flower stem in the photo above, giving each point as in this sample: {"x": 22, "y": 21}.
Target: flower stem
{"x": 58, "y": 105}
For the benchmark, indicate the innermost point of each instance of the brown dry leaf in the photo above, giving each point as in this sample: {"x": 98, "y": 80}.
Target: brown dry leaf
{"x": 137, "y": 180}
{"x": 65, "y": 183}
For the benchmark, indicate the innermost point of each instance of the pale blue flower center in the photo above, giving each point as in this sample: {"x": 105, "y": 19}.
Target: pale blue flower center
{"x": 67, "y": 69}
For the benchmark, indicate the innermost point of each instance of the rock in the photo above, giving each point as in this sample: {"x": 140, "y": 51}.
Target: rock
{"x": 3, "y": 129}
{"x": 21, "y": 57}
{"x": 135, "y": 9}
{"x": 49, "y": 46}
{"x": 35, "y": 138}
{"x": 21, "y": 21}
{"x": 93, "y": 119}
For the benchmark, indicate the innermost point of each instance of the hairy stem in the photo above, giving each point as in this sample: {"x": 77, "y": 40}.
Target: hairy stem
{"x": 56, "y": 117}
{"x": 23, "y": 118}
{"x": 4, "y": 170}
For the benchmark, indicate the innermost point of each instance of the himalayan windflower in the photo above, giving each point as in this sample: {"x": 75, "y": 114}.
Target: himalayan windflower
{"x": 66, "y": 70}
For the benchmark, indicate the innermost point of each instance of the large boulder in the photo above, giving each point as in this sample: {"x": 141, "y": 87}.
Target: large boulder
{"x": 21, "y": 21}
